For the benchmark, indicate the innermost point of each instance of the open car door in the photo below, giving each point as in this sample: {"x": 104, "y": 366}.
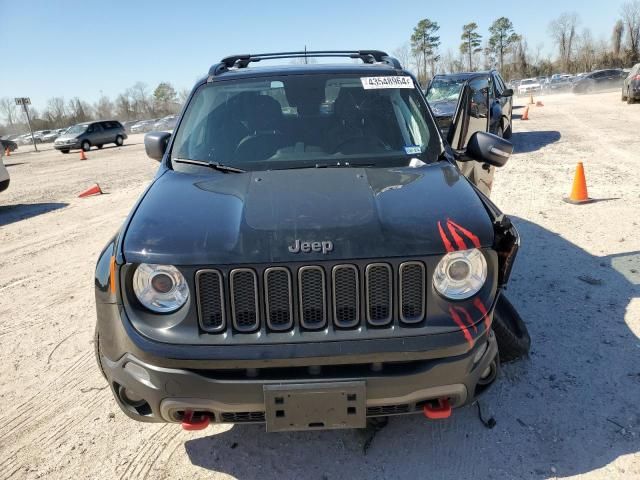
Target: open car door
{"x": 472, "y": 115}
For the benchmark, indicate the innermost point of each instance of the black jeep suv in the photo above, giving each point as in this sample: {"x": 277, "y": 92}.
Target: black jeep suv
{"x": 308, "y": 255}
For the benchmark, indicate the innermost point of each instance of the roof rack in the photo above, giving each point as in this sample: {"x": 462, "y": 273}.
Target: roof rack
{"x": 242, "y": 61}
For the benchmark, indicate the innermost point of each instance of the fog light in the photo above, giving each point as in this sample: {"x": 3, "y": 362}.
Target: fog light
{"x": 130, "y": 397}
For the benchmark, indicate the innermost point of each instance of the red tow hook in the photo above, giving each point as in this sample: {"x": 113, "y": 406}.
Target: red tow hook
{"x": 189, "y": 422}
{"x": 442, "y": 410}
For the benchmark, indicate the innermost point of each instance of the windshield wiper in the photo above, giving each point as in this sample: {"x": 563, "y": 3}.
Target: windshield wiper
{"x": 213, "y": 165}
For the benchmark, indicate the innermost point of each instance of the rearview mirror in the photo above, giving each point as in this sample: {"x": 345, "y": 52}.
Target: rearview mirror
{"x": 488, "y": 148}
{"x": 155, "y": 144}
{"x": 508, "y": 92}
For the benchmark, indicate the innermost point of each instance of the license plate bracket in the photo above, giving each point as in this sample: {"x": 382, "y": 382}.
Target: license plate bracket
{"x": 315, "y": 406}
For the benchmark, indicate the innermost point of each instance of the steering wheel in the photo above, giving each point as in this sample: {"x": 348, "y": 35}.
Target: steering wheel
{"x": 372, "y": 139}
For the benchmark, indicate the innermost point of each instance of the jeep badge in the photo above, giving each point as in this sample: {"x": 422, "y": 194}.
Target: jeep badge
{"x": 308, "y": 247}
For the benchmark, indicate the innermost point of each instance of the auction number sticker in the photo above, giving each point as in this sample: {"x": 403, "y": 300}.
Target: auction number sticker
{"x": 371, "y": 83}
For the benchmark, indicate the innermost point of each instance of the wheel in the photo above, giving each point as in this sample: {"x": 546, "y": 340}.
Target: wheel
{"x": 119, "y": 140}
{"x": 508, "y": 133}
{"x": 630, "y": 99}
{"x": 65, "y": 151}
{"x": 511, "y": 332}
{"x": 99, "y": 147}
{"x": 86, "y": 146}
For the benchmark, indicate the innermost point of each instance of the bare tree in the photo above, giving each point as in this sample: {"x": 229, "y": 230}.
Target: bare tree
{"x": 56, "y": 112}
{"x": 586, "y": 54}
{"x": 563, "y": 30}
{"x": 631, "y": 18}
{"x": 79, "y": 110}
{"x": 616, "y": 37}
{"x": 103, "y": 108}
{"x": 403, "y": 54}
{"x": 183, "y": 95}
{"x": 8, "y": 108}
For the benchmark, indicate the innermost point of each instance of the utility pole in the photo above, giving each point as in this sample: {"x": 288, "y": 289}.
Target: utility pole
{"x": 24, "y": 101}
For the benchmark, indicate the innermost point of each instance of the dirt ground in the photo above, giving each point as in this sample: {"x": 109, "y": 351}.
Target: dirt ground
{"x": 571, "y": 410}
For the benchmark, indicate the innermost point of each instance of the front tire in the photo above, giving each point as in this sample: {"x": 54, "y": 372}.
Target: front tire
{"x": 119, "y": 140}
{"x": 86, "y": 146}
{"x": 99, "y": 147}
{"x": 630, "y": 99}
{"x": 511, "y": 332}
{"x": 65, "y": 151}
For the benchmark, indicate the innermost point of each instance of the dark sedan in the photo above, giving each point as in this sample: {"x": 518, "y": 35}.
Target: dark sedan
{"x": 631, "y": 85}
{"x": 11, "y": 145}
{"x": 600, "y": 80}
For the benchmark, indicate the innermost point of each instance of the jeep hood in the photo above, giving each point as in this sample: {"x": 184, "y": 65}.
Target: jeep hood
{"x": 253, "y": 217}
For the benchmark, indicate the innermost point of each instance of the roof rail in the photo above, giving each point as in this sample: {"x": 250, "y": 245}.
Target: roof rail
{"x": 242, "y": 61}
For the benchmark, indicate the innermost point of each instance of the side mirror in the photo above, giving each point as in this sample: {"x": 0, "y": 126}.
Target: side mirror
{"x": 155, "y": 144}
{"x": 508, "y": 92}
{"x": 488, "y": 148}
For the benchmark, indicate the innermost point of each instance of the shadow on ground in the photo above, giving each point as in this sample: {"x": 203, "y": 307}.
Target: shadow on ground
{"x": 527, "y": 142}
{"x": 15, "y": 213}
{"x": 571, "y": 408}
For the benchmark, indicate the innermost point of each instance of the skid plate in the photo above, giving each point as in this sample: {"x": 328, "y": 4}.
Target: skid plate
{"x": 315, "y": 406}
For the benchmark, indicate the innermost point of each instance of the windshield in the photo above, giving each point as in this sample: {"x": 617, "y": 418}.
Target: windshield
{"x": 76, "y": 129}
{"x": 444, "y": 89}
{"x": 299, "y": 121}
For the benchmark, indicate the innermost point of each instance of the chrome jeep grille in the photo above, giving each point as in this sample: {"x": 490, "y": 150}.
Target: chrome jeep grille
{"x": 310, "y": 298}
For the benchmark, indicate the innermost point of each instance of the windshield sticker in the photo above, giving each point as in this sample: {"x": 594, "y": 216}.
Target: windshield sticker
{"x": 371, "y": 83}
{"x": 413, "y": 150}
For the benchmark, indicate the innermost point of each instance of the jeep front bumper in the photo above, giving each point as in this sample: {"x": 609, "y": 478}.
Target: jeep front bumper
{"x": 151, "y": 393}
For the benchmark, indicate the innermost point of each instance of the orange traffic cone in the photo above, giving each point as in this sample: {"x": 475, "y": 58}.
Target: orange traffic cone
{"x": 579, "y": 193}
{"x": 82, "y": 155}
{"x": 525, "y": 115}
{"x": 94, "y": 190}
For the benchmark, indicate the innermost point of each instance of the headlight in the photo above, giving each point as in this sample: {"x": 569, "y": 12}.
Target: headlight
{"x": 460, "y": 275}
{"x": 160, "y": 288}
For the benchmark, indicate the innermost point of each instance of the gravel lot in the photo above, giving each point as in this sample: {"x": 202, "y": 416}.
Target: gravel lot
{"x": 571, "y": 410}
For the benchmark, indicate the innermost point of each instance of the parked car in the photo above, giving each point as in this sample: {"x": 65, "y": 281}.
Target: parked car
{"x": 631, "y": 85}
{"x": 4, "y": 174}
{"x": 312, "y": 270}
{"x": 528, "y": 86}
{"x": 494, "y": 98}
{"x": 143, "y": 126}
{"x": 166, "y": 123}
{"x": 88, "y": 134}
{"x": 128, "y": 124}
{"x": 600, "y": 80}
{"x": 51, "y": 136}
{"x": 559, "y": 84}
{"x": 10, "y": 144}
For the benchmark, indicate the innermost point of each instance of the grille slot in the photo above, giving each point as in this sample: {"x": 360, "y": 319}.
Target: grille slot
{"x": 244, "y": 299}
{"x": 379, "y": 283}
{"x": 210, "y": 300}
{"x": 278, "y": 298}
{"x": 242, "y": 417}
{"x": 313, "y": 297}
{"x": 387, "y": 410}
{"x": 412, "y": 292}
{"x": 346, "y": 296}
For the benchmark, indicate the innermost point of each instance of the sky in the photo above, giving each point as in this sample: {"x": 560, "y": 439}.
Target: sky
{"x": 86, "y": 48}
